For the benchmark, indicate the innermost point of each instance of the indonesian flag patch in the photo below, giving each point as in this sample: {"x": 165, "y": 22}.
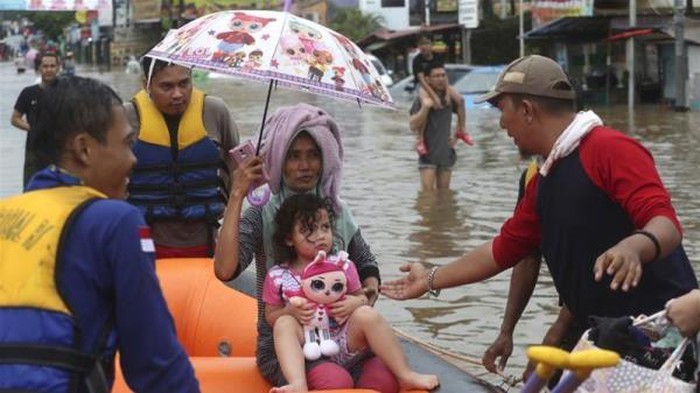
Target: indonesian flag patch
{"x": 147, "y": 244}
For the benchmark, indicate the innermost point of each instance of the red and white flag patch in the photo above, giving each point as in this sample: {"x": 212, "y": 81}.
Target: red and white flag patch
{"x": 147, "y": 244}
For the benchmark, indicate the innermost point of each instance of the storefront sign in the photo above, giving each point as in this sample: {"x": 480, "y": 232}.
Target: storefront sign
{"x": 469, "y": 13}
{"x": 146, "y": 10}
{"x": 548, "y": 10}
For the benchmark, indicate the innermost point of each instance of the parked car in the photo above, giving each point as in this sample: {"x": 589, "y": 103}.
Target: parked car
{"x": 405, "y": 89}
{"x": 477, "y": 82}
{"x": 383, "y": 73}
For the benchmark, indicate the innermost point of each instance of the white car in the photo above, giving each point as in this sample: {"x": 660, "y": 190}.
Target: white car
{"x": 383, "y": 73}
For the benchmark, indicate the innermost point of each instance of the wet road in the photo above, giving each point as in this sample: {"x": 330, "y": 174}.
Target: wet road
{"x": 381, "y": 185}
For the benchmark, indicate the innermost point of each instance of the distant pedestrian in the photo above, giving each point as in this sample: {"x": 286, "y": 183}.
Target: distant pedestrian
{"x": 424, "y": 61}
{"x": 20, "y": 65}
{"x": 69, "y": 64}
{"x": 26, "y": 108}
{"x": 434, "y": 120}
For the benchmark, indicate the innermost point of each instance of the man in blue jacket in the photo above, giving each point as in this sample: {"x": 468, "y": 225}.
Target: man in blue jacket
{"x": 77, "y": 277}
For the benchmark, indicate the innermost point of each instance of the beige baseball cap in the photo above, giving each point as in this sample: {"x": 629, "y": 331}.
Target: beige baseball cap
{"x": 534, "y": 75}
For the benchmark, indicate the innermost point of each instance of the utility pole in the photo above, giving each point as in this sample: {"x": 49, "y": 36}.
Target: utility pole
{"x": 630, "y": 57}
{"x": 521, "y": 28}
{"x": 681, "y": 56}
{"x": 427, "y": 12}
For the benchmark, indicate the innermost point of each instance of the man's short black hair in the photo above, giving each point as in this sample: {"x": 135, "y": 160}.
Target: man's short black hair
{"x": 146, "y": 65}
{"x": 71, "y": 105}
{"x": 431, "y": 66}
{"x": 53, "y": 54}
{"x": 40, "y": 57}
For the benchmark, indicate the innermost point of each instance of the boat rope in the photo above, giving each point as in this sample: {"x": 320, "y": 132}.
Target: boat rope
{"x": 509, "y": 380}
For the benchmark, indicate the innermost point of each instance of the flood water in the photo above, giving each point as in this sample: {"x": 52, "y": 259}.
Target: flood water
{"x": 381, "y": 184}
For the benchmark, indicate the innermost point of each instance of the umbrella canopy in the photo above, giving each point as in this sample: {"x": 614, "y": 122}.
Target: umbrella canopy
{"x": 276, "y": 46}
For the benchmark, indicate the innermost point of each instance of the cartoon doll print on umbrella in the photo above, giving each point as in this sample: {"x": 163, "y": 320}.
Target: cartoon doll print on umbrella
{"x": 276, "y": 48}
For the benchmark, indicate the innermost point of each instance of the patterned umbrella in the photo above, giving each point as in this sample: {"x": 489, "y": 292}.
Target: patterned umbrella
{"x": 279, "y": 48}
{"x": 276, "y": 46}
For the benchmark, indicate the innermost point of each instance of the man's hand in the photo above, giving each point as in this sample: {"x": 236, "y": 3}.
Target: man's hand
{"x": 410, "y": 286}
{"x": 501, "y": 348}
{"x": 621, "y": 262}
{"x": 300, "y": 309}
{"x": 684, "y": 312}
{"x": 18, "y": 120}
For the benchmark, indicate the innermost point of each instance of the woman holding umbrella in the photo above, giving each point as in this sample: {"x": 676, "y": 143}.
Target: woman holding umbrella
{"x": 303, "y": 153}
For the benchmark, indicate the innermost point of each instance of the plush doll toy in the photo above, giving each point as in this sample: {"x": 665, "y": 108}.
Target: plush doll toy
{"x": 323, "y": 282}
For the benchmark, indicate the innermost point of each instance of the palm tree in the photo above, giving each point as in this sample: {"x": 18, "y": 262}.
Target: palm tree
{"x": 352, "y": 23}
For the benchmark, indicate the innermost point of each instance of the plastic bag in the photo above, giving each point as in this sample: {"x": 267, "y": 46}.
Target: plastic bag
{"x": 628, "y": 377}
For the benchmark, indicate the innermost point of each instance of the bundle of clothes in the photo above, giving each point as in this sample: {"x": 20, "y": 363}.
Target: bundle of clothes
{"x": 647, "y": 346}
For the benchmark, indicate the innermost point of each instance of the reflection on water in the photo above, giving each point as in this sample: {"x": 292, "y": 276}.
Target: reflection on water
{"x": 440, "y": 219}
{"x": 381, "y": 184}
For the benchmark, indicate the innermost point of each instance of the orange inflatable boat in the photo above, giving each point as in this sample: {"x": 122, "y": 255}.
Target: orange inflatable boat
{"x": 216, "y": 325}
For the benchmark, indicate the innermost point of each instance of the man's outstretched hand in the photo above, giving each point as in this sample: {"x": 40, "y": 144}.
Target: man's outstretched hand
{"x": 412, "y": 285}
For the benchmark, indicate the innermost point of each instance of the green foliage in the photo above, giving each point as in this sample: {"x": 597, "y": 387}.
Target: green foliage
{"x": 351, "y": 23}
{"x": 51, "y": 23}
{"x": 496, "y": 40}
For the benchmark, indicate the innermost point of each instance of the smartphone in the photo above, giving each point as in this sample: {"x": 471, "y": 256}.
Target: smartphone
{"x": 244, "y": 152}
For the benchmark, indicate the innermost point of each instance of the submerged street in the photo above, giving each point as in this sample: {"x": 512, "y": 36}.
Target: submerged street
{"x": 381, "y": 185}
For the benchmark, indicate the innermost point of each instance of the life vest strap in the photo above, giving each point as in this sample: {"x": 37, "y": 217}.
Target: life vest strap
{"x": 64, "y": 358}
{"x": 173, "y": 188}
{"x": 177, "y": 202}
{"x": 175, "y": 167}
{"x": 45, "y": 355}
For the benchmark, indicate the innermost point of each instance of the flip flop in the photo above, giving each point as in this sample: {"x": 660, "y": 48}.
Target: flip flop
{"x": 465, "y": 137}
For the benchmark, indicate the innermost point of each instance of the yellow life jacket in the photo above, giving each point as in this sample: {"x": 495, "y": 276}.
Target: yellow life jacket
{"x": 33, "y": 226}
{"x": 176, "y": 182}
{"x": 532, "y": 169}
{"x": 152, "y": 127}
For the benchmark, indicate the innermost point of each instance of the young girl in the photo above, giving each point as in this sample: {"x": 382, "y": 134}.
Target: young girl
{"x": 303, "y": 229}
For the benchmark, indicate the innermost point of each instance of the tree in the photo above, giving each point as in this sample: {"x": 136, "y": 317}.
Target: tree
{"x": 51, "y": 23}
{"x": 352, "y": 23}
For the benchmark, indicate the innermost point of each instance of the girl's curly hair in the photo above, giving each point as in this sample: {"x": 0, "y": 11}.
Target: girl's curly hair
{"x": 301, "y": 207}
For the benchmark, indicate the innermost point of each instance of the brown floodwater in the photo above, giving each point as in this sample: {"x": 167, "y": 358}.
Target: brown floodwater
{"x": 402, "y": 225}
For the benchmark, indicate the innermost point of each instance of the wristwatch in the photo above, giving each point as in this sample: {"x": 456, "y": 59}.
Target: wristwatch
{"x": 431, "y": 277}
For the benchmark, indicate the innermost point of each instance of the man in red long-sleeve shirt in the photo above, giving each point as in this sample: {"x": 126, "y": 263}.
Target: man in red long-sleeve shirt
{"x": 597, "y": 210}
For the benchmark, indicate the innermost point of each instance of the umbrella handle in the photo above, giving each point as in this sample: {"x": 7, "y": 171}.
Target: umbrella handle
{"x": 258, "y": 196}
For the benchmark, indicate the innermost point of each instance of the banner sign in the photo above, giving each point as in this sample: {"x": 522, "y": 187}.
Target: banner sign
{"x": 104, "y": 7}
{"x": 146, "y": 10}
{"x": 545, "y": 11}
{"x": 55, "y": 5}
{"x": 446, "y": 5}
{"x": 197, "y": 8}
